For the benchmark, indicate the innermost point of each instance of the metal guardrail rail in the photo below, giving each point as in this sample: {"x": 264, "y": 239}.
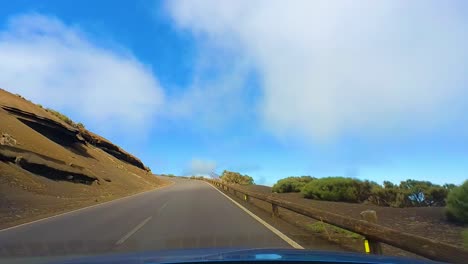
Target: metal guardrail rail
{"x": 422, "y": 246}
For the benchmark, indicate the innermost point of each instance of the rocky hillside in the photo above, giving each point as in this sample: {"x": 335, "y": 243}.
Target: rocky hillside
{"x": 49, "y": 164}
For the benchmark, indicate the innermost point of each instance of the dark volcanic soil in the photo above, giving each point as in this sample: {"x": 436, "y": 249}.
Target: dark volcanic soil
{"x": 428, "y": 222}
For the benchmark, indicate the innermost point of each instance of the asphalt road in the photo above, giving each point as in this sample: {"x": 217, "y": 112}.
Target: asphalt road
{"x": 187, "y": 214}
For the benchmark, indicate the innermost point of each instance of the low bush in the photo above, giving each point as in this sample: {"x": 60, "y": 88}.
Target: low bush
{"x": 389, "y": 195}
{"x": 424, "y": 193}
{"x": 236, "y": 178}
{"x": 410, "y": 193}
{"x": 457, "y": 204}
{"x": 79, "y": 126}
{"x": 291, "y": 184}
{"x": 364, "y": 189}
{"x": 333, "y": 189}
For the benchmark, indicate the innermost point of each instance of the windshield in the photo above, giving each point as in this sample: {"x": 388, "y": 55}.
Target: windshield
{"x": 163, "y": 126}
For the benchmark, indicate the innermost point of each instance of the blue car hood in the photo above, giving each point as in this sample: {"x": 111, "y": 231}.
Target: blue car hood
{"x": 239, "y": 255}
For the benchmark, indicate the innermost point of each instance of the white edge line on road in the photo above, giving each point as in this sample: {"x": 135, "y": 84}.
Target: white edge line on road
{"x": 133, "y": 231}
{"x": 84, "y": 208}
{"x": 288, "y": 240}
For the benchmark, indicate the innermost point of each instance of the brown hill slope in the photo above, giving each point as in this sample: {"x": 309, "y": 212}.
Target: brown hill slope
{"x": 48, "y": 165}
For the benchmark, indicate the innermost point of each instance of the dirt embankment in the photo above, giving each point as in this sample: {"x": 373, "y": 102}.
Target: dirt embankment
{"x": 48, "y": 166}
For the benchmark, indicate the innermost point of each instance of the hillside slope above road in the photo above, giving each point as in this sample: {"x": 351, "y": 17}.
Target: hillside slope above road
{"x": 48, "y": 166}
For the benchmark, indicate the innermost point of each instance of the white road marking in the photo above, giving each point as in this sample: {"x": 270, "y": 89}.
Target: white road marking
{"x": 87, "y": 207}
{"x": 162, "y": 207}
{"x": 288, "y": 240}
{"x": 133, "y": 231}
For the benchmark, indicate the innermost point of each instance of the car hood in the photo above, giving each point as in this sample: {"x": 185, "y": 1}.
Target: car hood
{"x": 238, "y": 255}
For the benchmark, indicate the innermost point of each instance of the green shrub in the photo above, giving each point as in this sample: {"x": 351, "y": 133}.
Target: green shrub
{"x": 380, "y": 196}
{"x": 457, "y": 203}
{"x": 449, "y": 186}
{"x": 364, "y": 189}
{"x": 236, "y": 178}
{"x": 423, "y": 193}
{"x": 333, "y": 189}
{"x": 291, "y": 184}
{"x": 410, "y": 193}
{"x": 389, "y": 195}
{"x": 79, "y": 126}
{"x": 436, "y": 196}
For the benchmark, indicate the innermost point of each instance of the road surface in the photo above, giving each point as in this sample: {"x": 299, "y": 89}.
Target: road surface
{"x": 187, "y": 214}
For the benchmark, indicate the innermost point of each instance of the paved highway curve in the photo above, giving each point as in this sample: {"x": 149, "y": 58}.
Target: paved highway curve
{"x": 187, "y": 214}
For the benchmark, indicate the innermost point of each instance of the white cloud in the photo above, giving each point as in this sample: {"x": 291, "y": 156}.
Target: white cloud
{"x": 334, "y": 67}
{"x": 58, "y": 66}
{"x": 201, "y": 167}
{"x": 215, "y": 94}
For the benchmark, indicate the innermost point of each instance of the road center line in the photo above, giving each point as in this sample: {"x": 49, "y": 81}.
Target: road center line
{"x": 288, "y": 240}
{"x": 162, "y": 207}
{"x": 133, "y": 231}
{"x": 88, "y": 207}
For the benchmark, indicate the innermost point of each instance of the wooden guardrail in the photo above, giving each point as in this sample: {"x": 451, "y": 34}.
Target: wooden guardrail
{"x": 375, "y": 233}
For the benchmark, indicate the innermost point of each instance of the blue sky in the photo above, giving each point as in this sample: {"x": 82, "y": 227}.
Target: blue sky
{"x": 366, "y": 89}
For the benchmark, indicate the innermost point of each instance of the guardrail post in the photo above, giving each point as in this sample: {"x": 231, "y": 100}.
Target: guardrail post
{"x": 274, "y": 208}
{"x": 371, "y": 246}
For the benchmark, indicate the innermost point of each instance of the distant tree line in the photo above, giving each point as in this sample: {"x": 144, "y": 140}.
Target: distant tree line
{"x": 168, "y": 175}
{"x": 409, "y": 193}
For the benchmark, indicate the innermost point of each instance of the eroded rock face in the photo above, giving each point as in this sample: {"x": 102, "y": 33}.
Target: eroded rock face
{"x": 49, "y": 169}
{"x": 68, "y": 136}
{"x": 7, "y": 140}
{"x": 112, "y": 149}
